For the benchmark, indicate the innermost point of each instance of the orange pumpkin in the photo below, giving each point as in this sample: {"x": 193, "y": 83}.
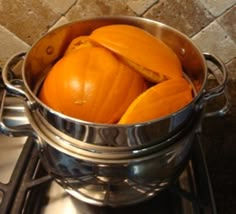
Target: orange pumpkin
{"x": 158, "y": 101}
{"x": 79, "y": 42}
{"x": 141, "y": 50}
{"x": 91, "y": 84}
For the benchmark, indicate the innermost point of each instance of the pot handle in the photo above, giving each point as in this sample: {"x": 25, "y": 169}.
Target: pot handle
{"x": 220, "y": 89}
{"x": 12, "y": 131}
{"x": 13, "y": 85}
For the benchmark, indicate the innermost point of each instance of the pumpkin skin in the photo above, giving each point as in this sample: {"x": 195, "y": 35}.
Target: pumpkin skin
{"x": 152, "y": 57}
{"x": 91, "y": 84}
{"x": 158, "y": 101}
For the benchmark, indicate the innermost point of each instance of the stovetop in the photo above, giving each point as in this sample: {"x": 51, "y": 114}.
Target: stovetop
{"x": 26, "y": 187}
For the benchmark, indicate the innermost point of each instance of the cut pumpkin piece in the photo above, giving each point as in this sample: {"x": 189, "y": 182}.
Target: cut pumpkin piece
{"x": 153, "y": 58}
{"x": 158, "y": 101}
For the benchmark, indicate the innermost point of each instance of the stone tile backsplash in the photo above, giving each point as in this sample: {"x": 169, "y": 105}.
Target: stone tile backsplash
{"x": 187, "y": 16}
{"x": 210, "y": 23}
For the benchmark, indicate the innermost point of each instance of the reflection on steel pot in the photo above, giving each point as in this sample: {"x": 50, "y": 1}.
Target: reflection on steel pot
{"x": 108, "y": 164}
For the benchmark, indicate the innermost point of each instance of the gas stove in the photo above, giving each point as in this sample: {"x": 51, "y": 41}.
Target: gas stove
{"x": 26, "y": 187}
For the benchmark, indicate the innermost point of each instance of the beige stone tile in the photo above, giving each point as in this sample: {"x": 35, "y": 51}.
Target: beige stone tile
{"x": 140, "y": 6}
{"x": 87, "y": 9}
{"x": 215, "y": 40}
{"x": 187, "y": 16}
{"x": 9, "y": 45}
{"x": 231, "y": 68}
{"x": 228, "y": 22}
{"x": 217, "y": 7}
{"x": 63, "y": 20}
{"x": 59, "y": 6}
{"x": 30, "y": 19}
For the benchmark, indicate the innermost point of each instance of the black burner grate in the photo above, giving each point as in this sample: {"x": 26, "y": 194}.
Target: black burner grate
{"x": 27, "y": 176}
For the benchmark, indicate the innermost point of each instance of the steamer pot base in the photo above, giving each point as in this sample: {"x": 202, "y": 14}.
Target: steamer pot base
{"x": 123, "y": 182}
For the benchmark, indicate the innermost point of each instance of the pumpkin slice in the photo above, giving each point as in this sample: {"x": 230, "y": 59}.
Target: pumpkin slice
{"x": 146, "y": 73}
{"x": 91, "y": 84}
{"x": 153, "y": 58}
{"x": 78, "y": 43}
{"x": 158, "y": 101}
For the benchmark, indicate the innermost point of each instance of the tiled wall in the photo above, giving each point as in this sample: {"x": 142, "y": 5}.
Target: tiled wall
{"x": 210, "y": 23}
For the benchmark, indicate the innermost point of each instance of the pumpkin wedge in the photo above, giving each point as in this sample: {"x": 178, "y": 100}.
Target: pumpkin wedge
{"x": 158, "y": 101}
{"x": 152, "y": 57}
{"x": 91, "y": 84}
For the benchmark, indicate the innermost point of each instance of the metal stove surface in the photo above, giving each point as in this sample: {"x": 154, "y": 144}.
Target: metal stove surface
{"x": 25, "y": 187}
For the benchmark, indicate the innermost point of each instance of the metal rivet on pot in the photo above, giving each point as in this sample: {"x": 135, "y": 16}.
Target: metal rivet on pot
{"x": 182, "y": 51}
{"x": 50, "y": 50}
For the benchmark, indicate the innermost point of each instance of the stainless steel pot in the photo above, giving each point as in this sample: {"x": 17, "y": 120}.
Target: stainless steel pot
{"x": 106, "y": 164}
{"x": 47, "y": 50}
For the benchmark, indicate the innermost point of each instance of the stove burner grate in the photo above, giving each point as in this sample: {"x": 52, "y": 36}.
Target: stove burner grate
{"x": 27, "y": 176}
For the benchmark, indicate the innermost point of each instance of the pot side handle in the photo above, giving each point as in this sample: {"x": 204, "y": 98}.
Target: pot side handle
{"x": 13, "y": 85}
{"x": 220, "y": 89}
{"x": 19, "y": 130}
